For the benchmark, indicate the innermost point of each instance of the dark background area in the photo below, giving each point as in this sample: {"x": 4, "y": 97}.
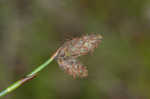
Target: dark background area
{"x": 32, "y": 30}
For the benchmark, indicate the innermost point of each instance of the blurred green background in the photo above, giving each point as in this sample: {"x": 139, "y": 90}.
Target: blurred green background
{"x": 32, "y": 30}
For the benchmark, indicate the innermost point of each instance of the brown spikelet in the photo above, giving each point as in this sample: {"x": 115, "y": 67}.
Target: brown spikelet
{"x": 73, "y": 67}
{"x": 80, "y": 46}
{"x": 68, "y": 53}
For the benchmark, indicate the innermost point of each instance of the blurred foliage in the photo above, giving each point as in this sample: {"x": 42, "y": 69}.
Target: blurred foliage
{"x": 31, "y": 30}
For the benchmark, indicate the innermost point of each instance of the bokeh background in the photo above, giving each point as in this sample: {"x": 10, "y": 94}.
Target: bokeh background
{"x": 32, "y": 30}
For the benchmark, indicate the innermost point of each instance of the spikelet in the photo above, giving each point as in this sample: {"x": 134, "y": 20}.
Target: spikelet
{"x": 71, "y": 50}
{"x": 73, "y": 67}
{"x": 80, "y": 46}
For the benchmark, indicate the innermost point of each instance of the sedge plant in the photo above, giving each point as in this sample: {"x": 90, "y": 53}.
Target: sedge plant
{"x": 66, "y": 56}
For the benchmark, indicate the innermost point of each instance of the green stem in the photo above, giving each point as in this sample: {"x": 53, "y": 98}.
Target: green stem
{"x": 29, "y": 77}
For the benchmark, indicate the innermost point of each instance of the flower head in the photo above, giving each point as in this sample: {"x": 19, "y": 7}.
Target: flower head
{"x": 73, "y": 67}
{"x": 80, "y": 46}
{"x": 71, "y": 50}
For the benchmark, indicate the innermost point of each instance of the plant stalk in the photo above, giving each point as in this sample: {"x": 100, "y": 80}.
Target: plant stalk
{"x": 28, "y": 77}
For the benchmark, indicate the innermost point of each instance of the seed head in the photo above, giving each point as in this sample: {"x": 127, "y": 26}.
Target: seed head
{"x": 73, "y": 67}
{"x": 71, "y": 50}
{"x": 80, "y": 46}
